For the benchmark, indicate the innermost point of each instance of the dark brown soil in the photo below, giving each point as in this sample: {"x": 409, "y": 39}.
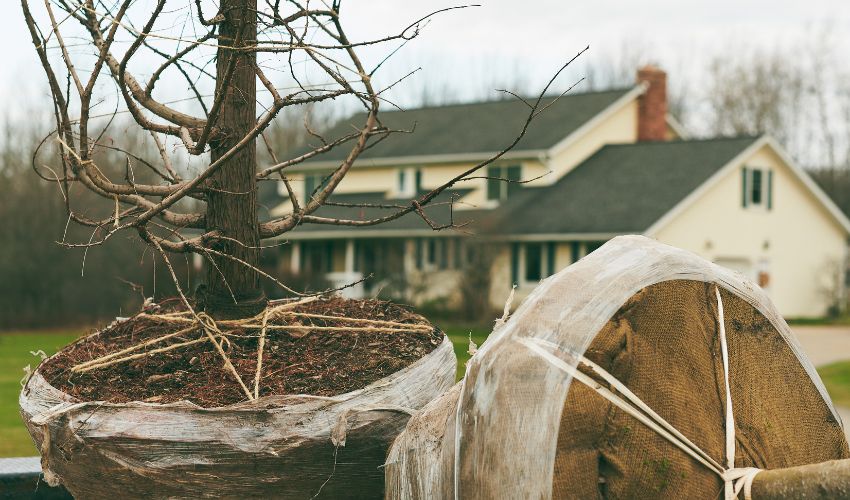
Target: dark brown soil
{"x": 323, "y": 363}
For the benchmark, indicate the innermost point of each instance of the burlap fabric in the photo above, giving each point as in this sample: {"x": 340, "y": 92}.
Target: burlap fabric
{"x": 664, "y": 345}
{"x": 522, "y": 427}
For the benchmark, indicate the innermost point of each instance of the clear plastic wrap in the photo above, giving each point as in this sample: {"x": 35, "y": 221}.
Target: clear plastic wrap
{"x": 496, "y": 434}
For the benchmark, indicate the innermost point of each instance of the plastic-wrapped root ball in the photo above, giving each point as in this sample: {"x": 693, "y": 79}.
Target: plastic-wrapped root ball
{"x": 611, "y": 380}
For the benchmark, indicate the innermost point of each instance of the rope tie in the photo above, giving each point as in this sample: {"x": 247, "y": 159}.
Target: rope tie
{"x": 735, "y": 479}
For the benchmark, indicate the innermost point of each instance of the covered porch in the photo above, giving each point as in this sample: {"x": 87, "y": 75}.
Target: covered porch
{"x": 390, "y": 267}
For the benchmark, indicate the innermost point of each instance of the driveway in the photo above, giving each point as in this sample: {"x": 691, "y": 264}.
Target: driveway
{"x": 825, "y": 345}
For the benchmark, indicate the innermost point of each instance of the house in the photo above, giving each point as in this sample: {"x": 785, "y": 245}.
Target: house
{"x": 594, "y": 165}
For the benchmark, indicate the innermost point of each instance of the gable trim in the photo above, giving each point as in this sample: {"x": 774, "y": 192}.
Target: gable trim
{"x": 697, "y": 193}
{"x": 677, "y": 127}
{"x": 798, "y": 173}
{"x": 807, "y": 181}
{"x": 406, "y": 161}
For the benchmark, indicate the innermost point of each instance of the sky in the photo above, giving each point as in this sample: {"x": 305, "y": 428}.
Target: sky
{"x": 501, "y": 39}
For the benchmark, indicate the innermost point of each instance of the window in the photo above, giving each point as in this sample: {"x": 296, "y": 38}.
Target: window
{"x": 432, "y": 251}
{"x": 531, "y": 262}
{"x": 431, "y": 254}
{"x": 318, "y": 256}
{"x": 592, "y": 246}
{"x": 408, "y": 182}
{"x": 757, "y": 187}
{"x": 502, "y": 181}
{"x": 402, "y": 181}
{"x": 313, "y": 181}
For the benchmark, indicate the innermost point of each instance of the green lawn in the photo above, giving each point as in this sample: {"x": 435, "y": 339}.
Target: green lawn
{"x": 460, "y": 338}
{"x": 15, "y": 354}
{"x": 836, "y": 378}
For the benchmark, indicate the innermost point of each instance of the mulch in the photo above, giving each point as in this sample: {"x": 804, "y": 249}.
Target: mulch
{"x": 297, "y": 361}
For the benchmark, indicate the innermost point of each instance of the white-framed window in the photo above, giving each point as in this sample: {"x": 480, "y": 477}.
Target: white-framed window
{"x": 432, "y": 254}
{"x": 408, "y": 182}
{"x": 502, "y": 181}
{"x": 757, "y": 187}
{"x": 531, "y": 262}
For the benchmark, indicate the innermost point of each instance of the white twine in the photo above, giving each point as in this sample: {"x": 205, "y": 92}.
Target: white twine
{"x": 735, "y": 479}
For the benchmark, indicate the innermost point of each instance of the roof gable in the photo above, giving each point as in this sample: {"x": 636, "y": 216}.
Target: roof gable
{"x": 620, "y": 189}
{"x": 796, "y": 171}
{"x": 484, "y": 127}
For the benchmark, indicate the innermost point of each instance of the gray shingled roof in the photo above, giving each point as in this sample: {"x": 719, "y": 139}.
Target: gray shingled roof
{"x": 482, "y": 127}
{"x": 620, "y": 189}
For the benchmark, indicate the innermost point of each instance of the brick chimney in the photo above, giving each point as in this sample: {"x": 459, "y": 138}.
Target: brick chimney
{"x": 652, "y": 105}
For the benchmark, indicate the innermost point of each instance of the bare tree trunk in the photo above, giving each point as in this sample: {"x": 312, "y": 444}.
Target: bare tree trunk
{"x": 825, "y": 480}
{"x": 234, "y": 212}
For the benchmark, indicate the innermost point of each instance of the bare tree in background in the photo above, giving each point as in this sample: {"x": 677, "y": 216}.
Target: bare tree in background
{"x": 617, "y": 70}
{"x": 231, "y": 49}
{"x": 755, "y": 93}
{"x": 803, "y": 100}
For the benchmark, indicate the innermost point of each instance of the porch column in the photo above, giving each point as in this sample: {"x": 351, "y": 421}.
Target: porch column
{"x": 349, "y": 255}
{"x": 409, "y": 263}
{"x": 295, "y": 257}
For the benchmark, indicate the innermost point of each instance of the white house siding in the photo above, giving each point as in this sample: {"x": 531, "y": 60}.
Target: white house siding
{"x": 798, "y": 242}
{"x": 620, "y": 127}
{"x": 501, "y": 272}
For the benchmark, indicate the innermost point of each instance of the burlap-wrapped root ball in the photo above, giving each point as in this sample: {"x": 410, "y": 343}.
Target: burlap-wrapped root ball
{"x": 521, "y": 424}
{"x": 274, "y": 447}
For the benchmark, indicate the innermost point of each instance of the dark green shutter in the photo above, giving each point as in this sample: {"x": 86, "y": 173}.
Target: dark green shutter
{"x": 770, "y": 189}
{"x": 514, "y": 175}
{"x": 358, "y": 251}
{"x": 418, "y": 185}
{"x": 744, "y": 187}
{"x": 444, "y": 253}
{"x": 550, "y": 258}
{"x": 309, "y": 185}
{"x": 329, "y": 256}
{"x": 417, "y": 250}
{"x": 514, "y": 263}
{"x": 575, "y": 250}
{"x": 493, "y": 183}
{"x": 401, "y": 180}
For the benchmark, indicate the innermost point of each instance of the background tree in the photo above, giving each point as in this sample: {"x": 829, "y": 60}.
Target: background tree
{"x": 99, "y": 47}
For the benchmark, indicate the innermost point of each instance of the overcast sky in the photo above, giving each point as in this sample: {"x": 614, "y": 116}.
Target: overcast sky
{"x": 532, "y": 37}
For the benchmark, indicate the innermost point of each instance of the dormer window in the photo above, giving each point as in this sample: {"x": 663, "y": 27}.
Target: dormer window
{"x": 498, "y": 187}
{"x": 408, "y": 182}
{"x": 757, "y": 187}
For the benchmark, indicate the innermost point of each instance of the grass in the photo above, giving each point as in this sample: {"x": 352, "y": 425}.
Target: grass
{"x": 836, "y": 378}
{"x": 15, "y": 350}
{"x": 459, "y": 336}
{"x": 15, "y": 354}
{"x": 825, "y": 321}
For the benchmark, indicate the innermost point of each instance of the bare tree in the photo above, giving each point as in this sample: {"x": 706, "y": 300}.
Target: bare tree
{"x": 754, "y": 93}
{"x": 230, "y": 52}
